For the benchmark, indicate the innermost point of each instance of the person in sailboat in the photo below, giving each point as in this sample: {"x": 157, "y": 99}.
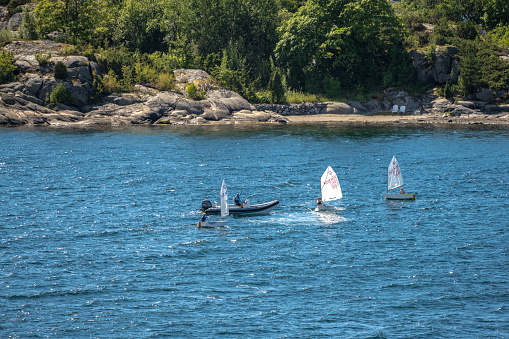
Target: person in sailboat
{"x": 319, "y": 201}
{"x": 237, "y": 200}
{"x": 401, "y": 191}
{"x": 203, "y": 217}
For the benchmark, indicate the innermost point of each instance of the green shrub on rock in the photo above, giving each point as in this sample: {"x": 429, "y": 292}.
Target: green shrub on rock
{"x": 59, "y": 95}
{"x": 42, "y": 58}
{"x": 192, "y": 92}
{"x": 60, "y": 70}
{"x": 7, "y": 66}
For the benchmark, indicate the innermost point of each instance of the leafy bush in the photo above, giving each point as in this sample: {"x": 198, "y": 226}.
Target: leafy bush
{"x": 298, "y": 97}
{"x": 430, "y": 55}
{"x": 7, "y": 66}
{"x": 5, "y": 37}
{"x": 192, "y": 92}
{"x": 112, "y": 84}
{"x": 60, "y": 70}
{"x": 447, "y": 91}
{"x": 500, "y": 36}
{"x": 165, "y": 82}
{"x": 115, "y": 60}
{"x": 467, "y": 30}
{"x": 58, "y": 95}
{"x": 99, "y": 84}
{"x": 42, "y": 58}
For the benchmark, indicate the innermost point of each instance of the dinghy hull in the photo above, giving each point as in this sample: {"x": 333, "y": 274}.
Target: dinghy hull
{"x": 324, "y": 208}
{"x": 210, "y": 224}
{"x": 264, "y": 208}
{"x": 395, "y": 196}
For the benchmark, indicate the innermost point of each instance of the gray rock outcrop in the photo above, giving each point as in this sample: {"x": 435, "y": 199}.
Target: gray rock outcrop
{"x": 442, "y": 68}
{"x": 24, "y": 102}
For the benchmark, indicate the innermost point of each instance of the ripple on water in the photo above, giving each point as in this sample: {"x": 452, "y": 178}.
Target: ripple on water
{"x": 99, "y": 239}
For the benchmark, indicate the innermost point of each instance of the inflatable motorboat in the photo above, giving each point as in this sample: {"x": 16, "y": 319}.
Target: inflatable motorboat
{"x": 247, "y": 208}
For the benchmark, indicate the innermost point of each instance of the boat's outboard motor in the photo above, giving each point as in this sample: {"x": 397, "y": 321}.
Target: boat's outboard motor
{"x": 205, "y": 205}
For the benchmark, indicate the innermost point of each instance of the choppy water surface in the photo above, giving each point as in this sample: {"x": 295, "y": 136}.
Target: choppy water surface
{"x": 98, "y": 235}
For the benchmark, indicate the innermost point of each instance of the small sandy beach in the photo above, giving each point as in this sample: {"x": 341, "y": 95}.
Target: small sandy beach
{"x": 357, "y": 119}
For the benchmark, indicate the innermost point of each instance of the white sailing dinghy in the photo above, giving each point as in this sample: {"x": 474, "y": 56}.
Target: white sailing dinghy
{"x": 395, "y": 180}
{"x": 223, "y": 196}
{"x": 330, "y": 189}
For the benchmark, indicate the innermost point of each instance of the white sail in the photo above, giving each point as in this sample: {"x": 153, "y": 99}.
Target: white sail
{"x": 224, "y": 201}
{"x": 394, "y": 177}
{"x": 330, "y": 188}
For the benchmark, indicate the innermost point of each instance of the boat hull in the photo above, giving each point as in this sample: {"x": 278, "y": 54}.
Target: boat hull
{"x": 210, "y": 224}
{"x": 324, "y": 208}
{"x": 264, "y": 208}
{"x": 397, "y": 196}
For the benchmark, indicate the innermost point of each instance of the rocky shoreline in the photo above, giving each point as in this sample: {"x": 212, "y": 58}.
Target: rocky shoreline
{"x": 23, "y": 102}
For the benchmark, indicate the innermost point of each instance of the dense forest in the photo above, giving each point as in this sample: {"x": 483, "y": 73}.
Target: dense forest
{"x": 276, "y": 50}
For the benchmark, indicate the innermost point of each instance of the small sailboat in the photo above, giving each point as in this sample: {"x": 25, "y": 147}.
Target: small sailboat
{"x": 395, "y": 180}
{"x": 223, "y": 196}
{"x": 330, "y": 190}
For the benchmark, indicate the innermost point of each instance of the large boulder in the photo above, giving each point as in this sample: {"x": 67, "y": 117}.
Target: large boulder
{"x": 164, "y": 101}
{"x": 485, "y": 95}
{"x": 47, "y": 87}
{"x": 201, "y": 79}
{"x": 338, "y": 108}
{"x": 15, "y": 21}
{"x": 193, "y": 107}
{"x": 442, "y": 106}
{"x": 33, "y": 83}
{"x": 78, "y": 93}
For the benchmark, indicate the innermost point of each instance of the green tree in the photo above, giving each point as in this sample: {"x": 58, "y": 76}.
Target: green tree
{"x": 496, "y": 13}
{"x": 470, "y": 70}
{"x": 199, "y": 28}
{"x": 354, "y": 41}
{"x": 76, "y": 19}
{"x": 139, "y": 25}
{"x": 276, "y": 88}
{"x": 28, "y": 27}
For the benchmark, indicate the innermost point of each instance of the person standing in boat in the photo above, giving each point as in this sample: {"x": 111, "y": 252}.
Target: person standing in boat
{"x": 238, "y": 201}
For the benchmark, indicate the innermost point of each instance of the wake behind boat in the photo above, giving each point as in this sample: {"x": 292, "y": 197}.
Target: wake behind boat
{"x": 395, "y": 180}
{"x": 247, "y": 208}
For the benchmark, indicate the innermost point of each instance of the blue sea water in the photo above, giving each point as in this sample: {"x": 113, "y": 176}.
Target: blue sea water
{"x": 98, "y": 235}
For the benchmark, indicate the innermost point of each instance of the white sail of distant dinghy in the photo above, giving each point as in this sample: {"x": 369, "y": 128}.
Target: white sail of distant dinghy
{"x": 223, "y": 198}
{"x": 330, "y": 189}
{"x": 225, "y": 211}
{"x": 395, "y": 180}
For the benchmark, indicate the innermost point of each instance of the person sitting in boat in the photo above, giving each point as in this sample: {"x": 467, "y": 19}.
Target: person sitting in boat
{"x": 319, "y": 201}
{"x": 203, "y": 217}
{"x": 238, "y": 201}
{"x": 401, "y": 191}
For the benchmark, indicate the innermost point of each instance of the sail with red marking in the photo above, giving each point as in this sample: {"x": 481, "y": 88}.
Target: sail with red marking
{"x": 394, "y": 177}
{"x": 330, "y": 187}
